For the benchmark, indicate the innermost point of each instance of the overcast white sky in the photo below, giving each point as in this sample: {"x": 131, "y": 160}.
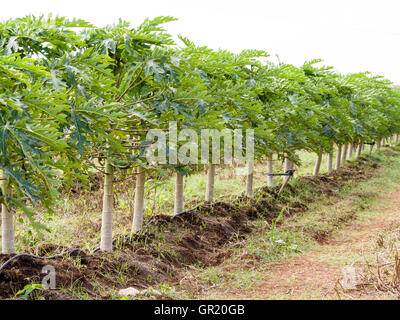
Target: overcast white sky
{"x": 352, "y": 35}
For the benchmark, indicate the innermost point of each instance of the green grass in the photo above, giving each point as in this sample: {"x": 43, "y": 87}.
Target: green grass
{"x": 353, "y": 198}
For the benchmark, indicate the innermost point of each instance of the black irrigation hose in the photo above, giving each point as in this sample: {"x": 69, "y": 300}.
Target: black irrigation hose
{"x": 286, "y": 173}
{"x": 5, "y": 264}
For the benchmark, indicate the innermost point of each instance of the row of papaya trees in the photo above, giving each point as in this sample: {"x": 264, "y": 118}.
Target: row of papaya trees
{"x": 76, "y": 99}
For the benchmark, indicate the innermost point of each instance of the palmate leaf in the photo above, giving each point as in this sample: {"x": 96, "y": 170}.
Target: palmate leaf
{"x": 29, "y": 212}
{"x": 109, "y": 111}
{"x": 64, "y": 22}
{"x": 12, "y": 46}
{"x": 34, "y": 155}
{"x": 82, "y": 128}
{"x": 4, "y": 136}
{"x": 153, "y": 68}
{"x": 46, "y": 138}
{"x": 108, "y": 46}
{"x": 26, "y": 185}
{"x": 57, "y": 82}
{"x": 143, "y": 116}
{"x": 47, "y": 108}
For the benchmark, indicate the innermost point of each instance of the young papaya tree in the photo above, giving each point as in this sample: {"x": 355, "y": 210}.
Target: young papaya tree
{"x": 32, "y": 149}
{"x": 73, "y": 70}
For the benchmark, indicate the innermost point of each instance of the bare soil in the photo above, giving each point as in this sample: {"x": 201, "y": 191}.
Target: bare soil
{"x": 316, "y": 274}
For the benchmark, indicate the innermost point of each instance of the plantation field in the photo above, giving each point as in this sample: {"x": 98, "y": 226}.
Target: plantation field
{"x": 219, "y": 250}
{"x": 133, "y": 159}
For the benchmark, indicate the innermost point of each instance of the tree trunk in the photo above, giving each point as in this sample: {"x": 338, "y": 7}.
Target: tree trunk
{"x": 178, "y": 193}
{"x": 344, "y": 153}
{"x": 270, "y": 169}
{"x": 139, "y": 201}
{"x": 359, "y": 148}
{"x": 287, "y": 165}
{"x": 249, "y": 178}
{"x": 396, "y": 138}
{"x": 317, "y": 165}
{"x": 210, "y": 182}
{"x": 7, "y": 222}
{"x": 234, "y": 163}
{"x": 350, "y": 150}
{"x": 371, "y": 147}
{"x": 354, "y": 146}
{"x": 338, "y": 156}
{"x": 378, "y": 144}
{"x": 329, "y": 165}
{"x": 107, "y": 216}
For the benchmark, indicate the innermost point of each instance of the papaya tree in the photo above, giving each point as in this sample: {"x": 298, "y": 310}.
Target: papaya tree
{"x": 31, "y": 148}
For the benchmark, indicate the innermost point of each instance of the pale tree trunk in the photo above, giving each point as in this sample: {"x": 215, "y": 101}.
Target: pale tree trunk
{"x": 249, "y": 178}
{"x": 396, "y": 138}
{"x": 371, "y": 147}
{"x": 210, "y": 182}
{"x": 378, "y": 144}
{"x": 317, "y": 165}
{"x": 178, "y": 193}
{"x": 383, "y": 142}
{"x": 350, "y": 150}
{"x": 354, "y": 146}
{"x": 338, "y": 156}
{"x": 234, "y": 164}
{"x": 329, "y": 164}
{"x": 107, "y": 216}
{"x": 7, "y": 222}
{"x": 359, "y": 148}
{"x": 287, "y": 165}
{"x": 344, "y": 153}
{"x": 270, "y": 169}
{"x": 139, "y": 201}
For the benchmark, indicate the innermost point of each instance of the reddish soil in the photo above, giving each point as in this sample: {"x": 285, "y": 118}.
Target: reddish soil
{"x": 307, "y": 276}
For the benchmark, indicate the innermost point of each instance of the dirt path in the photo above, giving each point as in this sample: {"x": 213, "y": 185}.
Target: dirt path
{"x": 315, "y": 274}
